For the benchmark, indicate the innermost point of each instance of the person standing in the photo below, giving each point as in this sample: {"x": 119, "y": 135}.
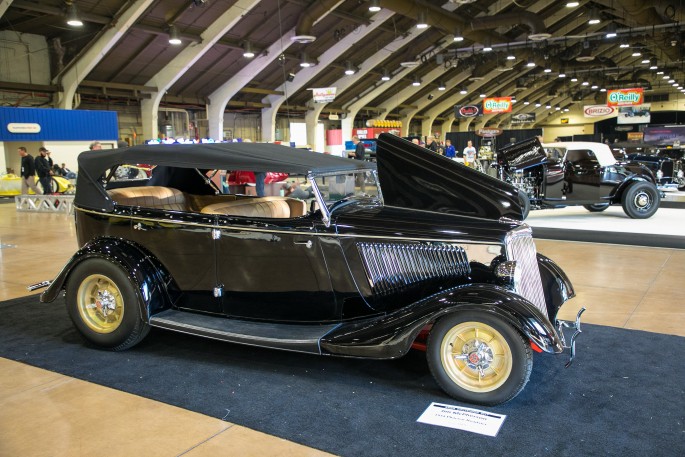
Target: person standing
{"x": 359, "y": 150}
{"x": 450, "y": 152}
{"x": 44, "y": 170}
{"x": 95, "y": 146}
{"x": 28, "y": 172}
{"x": 431, "y": 143}
{"x": 470, "y": 155}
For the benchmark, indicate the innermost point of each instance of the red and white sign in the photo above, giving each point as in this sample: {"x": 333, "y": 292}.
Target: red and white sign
{"x": 625, "y": 97}
{"x": 497, "y": 105}
{"x": 598, "y": 110}
{"x": 323, "y": 94}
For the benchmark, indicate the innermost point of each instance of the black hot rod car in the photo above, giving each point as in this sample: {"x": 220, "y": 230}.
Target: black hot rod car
{"x": 562, "y": 174}
{"x": 381, "y": 254}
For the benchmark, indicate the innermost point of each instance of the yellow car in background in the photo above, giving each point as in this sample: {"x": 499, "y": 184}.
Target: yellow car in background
{"x": 10, "y": 185}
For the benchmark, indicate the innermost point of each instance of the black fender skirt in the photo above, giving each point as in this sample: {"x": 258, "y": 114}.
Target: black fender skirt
{"x": 391, "y": 335}
{"x": 148, "y": 276}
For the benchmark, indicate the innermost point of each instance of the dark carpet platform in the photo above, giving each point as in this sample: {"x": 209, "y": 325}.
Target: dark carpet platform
{"x": 624, "y": 396}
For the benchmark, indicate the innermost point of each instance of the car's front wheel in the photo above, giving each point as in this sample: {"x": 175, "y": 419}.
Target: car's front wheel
{"x": 641, "y": 200}
{"x": 103, "y": 305}
{"x": 478, "y": 358}
{"x": 596, "y": 207}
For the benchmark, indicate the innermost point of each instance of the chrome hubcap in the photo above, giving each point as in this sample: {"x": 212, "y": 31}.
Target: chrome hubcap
{"x": 642, "y": 201}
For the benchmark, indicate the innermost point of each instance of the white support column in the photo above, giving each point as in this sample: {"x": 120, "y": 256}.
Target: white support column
{"x": 78, "y": 70}
{"x": 312, "y": 119}
{"x": 172, "y": 71}
{"x": 305, "y": 75}
{"x": 446, "y": 126}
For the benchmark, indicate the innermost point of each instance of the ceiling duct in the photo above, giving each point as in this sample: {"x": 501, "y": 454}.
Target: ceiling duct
{"x": 538, "y": 30}
{"x": 303, "y": 29}
{"x": 586, "y": 53}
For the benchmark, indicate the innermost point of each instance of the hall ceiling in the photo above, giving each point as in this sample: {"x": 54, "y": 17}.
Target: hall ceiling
{"x": 573, "y": 46}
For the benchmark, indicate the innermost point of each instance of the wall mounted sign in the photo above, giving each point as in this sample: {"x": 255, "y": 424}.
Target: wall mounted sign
{"x": 625, "y": 97}
{"x": 635, "y": 136}
{"x": 467, "y": 111}
{"x": 564, "y": 120}
{"x": 497, "y": 105}
{"x": 523, "y": 118}
{"x": 489, "y": 132}
{"x": 597, "y": 110}
{"x": 23, "y": 127}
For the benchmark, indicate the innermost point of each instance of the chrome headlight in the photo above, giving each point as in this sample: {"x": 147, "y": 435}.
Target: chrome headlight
{"x": 680, "y": 174}
{"x": 507, "y": 274}
{"x": 659, "y": 174}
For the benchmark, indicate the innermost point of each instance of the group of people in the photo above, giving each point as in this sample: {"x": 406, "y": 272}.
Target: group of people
{"x": 468, "y": 155}
{"x": 44, "y": 167}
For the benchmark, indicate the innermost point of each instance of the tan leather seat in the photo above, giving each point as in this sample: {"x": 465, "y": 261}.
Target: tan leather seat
{"x": 150, "y": 197}
{"x": 273, "y": 207}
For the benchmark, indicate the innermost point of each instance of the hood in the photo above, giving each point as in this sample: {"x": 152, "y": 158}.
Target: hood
{"x": 521, "y": 155}
{"x": 401, "y": 223}
{"x": 414, "y": 177}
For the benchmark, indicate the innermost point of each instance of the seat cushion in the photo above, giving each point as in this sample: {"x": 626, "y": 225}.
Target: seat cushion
{"x": 150, "y": 197}
{"x": 273, "y": 207}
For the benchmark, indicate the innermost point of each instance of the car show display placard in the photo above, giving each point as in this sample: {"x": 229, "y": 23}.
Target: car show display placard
{"x": 468, "y": 419}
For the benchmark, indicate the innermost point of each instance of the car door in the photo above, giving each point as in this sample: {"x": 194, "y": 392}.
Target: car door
{"x": 582, "y": 176}
{"x": 273, "y": 269}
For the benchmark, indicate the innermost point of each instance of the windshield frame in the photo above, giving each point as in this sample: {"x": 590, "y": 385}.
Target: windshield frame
{"x": 325, "y": 210}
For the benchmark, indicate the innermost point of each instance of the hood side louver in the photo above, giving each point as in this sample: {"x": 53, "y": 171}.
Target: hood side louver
{"x": 393, "y": 267}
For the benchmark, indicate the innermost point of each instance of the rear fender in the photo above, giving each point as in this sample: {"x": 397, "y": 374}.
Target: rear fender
{"x": 149, "y": 277}
{"x": 391, "y": 335}
{"x": 617, "y": 196}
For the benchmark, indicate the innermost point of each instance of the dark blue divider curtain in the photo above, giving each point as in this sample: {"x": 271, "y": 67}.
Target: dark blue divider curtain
{"x": 459, "y": 139}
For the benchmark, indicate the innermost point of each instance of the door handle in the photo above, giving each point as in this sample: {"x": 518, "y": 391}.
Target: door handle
{"x": 307, "y": 243}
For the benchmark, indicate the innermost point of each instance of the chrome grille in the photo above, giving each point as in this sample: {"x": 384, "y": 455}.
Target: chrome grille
{"x": 392, "y": 267}
{"x": 521, "y": 248}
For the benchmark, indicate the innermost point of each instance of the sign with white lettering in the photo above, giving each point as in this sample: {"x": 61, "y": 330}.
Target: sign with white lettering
{"x": 468, "y": 419}
{"x": 323, "y": 94}
{"x": 625, "y": 97}
{"x": 497, "y": 105}
{"x": 23, "y": 127}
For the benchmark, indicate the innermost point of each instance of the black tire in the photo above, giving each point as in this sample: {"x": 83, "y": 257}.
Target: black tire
{"x": 506, "y": 359}
{"x": 641, "y": 200}
{"x": 525, "y": 204}
{"x": 596, "y": 207}
{"x": 104, "y": 306}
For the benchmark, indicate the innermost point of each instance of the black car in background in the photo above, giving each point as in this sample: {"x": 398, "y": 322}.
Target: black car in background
{"x": 668, "y": 172}
{"x": 413, "y": 249}
{"x": 562, "y": 174}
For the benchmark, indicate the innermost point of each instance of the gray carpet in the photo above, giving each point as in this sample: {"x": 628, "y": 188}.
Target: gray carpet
{"x": 624, "y": 396}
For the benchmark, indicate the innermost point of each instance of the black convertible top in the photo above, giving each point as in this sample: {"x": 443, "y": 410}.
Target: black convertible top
{"x": 215, "y": 156}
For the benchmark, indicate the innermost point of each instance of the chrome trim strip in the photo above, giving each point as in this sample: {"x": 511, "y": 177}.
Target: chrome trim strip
{"x": 274, "y": 230}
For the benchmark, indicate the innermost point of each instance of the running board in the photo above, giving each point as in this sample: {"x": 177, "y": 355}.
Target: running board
{"x": 289, "y": 337}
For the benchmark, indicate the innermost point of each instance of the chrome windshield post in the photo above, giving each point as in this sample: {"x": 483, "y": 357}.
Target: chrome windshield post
{"x": 325, "y": 214}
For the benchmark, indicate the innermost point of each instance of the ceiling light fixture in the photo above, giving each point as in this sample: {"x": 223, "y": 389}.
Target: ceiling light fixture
{"x": 305, "y": 62}
{"x": 526, "y": 102}
{"x": 653, "y": 63}
{"x": 574, "y": 79}
{"x": 374, "y": 6}
{"x": 624, "y": 45}
{"x": 386, "y": 75}
{"x": 463, "y": 91}
{"x": 538, "y": 104}
{"x": 572, "y": 4}
{"x": 611, "y": 31}
{"x": 458, "y": 36}
{"x": 248, "y": 52}
{"x": 350, "y": 69}
{"x": 483, "y": 95}
{"x": 594, "y": 17}
{"x": 441, "y": 86}
{"x": 421, "y": 20}
{"x": 416, "y": 82}
{"x": 173, "y": 36}
{"x": 562, "y": 73}
{"x": 548, "y": 106}
{"x": 531, "y": 63}
{"x": 72, "y": 16}
{"x": 636, "y": 54}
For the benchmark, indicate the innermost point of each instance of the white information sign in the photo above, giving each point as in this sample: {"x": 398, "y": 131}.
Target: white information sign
{"x": 468, "y": 419}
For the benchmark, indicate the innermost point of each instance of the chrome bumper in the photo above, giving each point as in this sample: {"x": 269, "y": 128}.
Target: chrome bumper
{"x": 572, "y": 342}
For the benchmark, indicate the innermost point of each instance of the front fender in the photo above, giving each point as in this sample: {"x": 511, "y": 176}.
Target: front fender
{"x": 555, "y": 284}
{"x": 391, "y": 335}
{"x": 148, "y": 276}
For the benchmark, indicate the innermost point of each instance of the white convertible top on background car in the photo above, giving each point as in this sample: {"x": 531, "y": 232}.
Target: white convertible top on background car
{"x": 602, "y": 151}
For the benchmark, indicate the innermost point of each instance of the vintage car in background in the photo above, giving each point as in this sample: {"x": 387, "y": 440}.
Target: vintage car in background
{"x": 668, "y": 172}
{"x": 561, "y": 174}
{"x": 10, "y": 185}
{"x": 420, "y": 252}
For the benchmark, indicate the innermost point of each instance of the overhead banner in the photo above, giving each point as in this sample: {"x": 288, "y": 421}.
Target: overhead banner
{"x": 598, "y": 110}
{"x": 634, "y": 114}
{"x": 523, "y": 118}
{"x": 467, "y": 111}
{"x": 497, "y": 105}
{"x": 323, "y": 94}
{"x": 625, "y": 97}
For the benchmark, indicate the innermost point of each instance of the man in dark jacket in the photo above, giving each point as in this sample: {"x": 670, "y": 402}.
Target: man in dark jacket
{"x": 359, "y": 150}
{"x": 28, "y": 172}
{"x": 44, "y": 170}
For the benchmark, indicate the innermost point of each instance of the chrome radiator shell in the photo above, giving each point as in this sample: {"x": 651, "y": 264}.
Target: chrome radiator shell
{"x": 392, "y": 267}
{"x": 519, "y": 246}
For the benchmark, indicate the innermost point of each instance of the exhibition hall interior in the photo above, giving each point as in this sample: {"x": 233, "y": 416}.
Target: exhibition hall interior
{"x": 342, "y": 227}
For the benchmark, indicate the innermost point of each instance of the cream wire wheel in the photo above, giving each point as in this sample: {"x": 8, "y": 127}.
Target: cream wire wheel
{"x": 479, "y": 357}
{"x": 100, "y": 303}
{"x": 476, "y": 356}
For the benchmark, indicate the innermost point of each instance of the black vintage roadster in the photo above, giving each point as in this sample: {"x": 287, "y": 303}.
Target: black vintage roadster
{"x": 562, "y": 174}
{"x": 381, "y": 255}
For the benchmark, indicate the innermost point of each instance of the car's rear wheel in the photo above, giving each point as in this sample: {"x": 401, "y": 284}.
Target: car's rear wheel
{"x": 478, "y": 358}
{"x": 641, "y": 200}
{"x": 596, "y": 207}
{"x": 103, "y": 305}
